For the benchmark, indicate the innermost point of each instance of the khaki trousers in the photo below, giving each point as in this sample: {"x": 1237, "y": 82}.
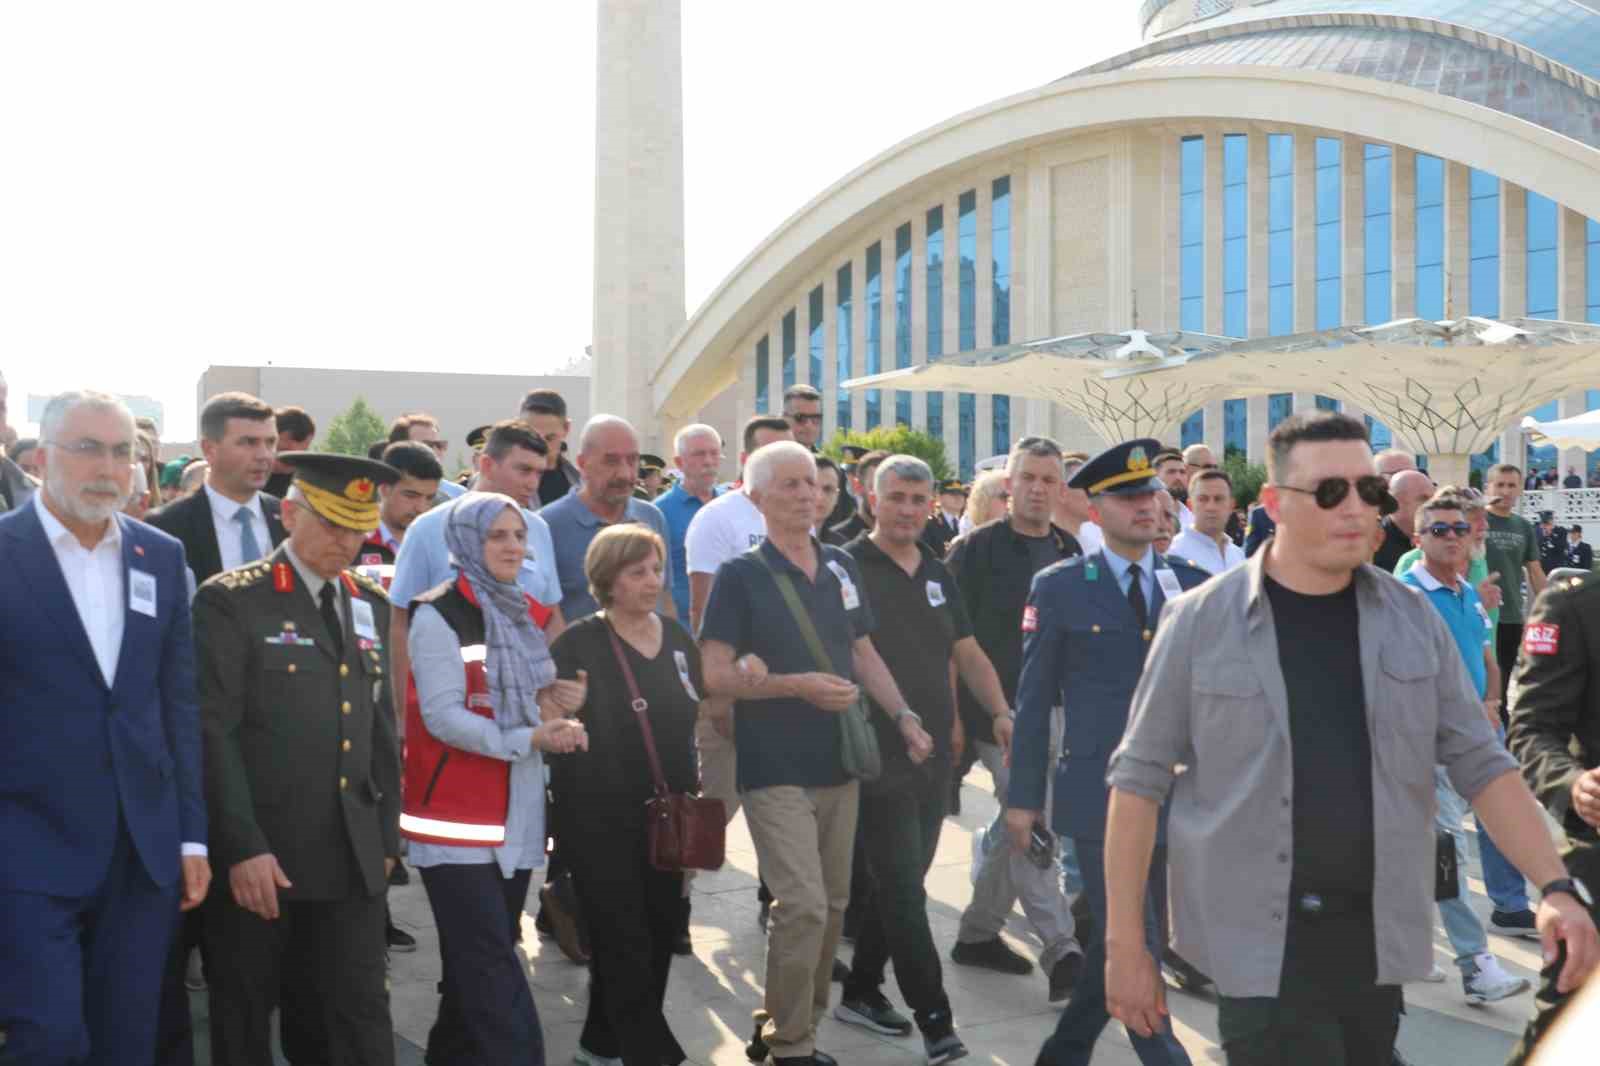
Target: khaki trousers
{"x": 718, "y": 766}
{"x": 804, "y": 839}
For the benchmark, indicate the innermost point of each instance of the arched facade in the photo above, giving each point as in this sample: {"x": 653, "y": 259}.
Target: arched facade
{"x": 1261, "y": 178}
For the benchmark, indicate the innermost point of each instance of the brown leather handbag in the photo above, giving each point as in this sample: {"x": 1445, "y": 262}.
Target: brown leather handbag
{"x": 686, "y": 832}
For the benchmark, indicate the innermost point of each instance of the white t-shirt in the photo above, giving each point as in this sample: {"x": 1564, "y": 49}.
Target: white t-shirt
{"x": 1196, "y": 547}
{"x": 1089, "y": 537}
{"x": 728, "y": 526}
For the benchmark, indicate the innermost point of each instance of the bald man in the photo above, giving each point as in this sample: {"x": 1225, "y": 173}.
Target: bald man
{"x": 1410, "y": 489}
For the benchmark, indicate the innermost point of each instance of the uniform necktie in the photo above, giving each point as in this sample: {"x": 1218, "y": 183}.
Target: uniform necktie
{"x": 1141, "y": 610}
{"x": 249, "y": 547}
{"x": 330, "y": 618}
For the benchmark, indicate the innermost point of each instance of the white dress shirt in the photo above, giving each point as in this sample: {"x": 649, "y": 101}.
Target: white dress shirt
{"x": 1205, "y": 553}
{"x": 94, "y": 578}
{"x": 229, "y": 538}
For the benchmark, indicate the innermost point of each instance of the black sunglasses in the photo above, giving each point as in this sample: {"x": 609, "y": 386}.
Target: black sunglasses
{"x": 1331, "y": 491}
{"x": 1439, "y": 529}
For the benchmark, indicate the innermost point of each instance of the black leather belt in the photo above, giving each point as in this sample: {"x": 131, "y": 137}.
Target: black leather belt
{"x": 1329, "y": 904}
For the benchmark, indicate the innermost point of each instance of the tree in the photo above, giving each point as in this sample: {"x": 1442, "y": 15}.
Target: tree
{"x": 896, "y": 440}
{"x": 1247, "y": 477}
{"x": 355, "y": 430}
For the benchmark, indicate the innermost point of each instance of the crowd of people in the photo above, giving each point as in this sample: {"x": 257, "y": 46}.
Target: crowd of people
{"x": 1232, "y": 754}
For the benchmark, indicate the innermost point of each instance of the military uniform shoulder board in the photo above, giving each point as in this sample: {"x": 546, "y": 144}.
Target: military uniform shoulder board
{"x": 355, "y": 580}
{"x": 242, "y": 577}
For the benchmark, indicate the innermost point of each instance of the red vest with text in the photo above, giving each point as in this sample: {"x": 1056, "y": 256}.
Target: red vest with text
{"x": 451, "y": 796}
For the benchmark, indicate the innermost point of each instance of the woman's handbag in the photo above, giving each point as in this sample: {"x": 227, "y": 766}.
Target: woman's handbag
{"x": 686, "y": 832}
{"x": 1446, "y": 872}
{"x": 858, "y": 741}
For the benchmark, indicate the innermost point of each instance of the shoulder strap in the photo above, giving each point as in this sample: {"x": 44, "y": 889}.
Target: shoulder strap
{"x": 802, "y": 621}
{"x": 640, "y": 706}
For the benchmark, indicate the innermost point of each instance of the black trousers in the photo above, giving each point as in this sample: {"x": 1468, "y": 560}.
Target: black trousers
{"x": 1583, "y": 862}
{"x": 1507, "y": 642}
{"x": 634, "y": 911}
{"x": 1265, "y": 1031}
{"x": 486, "y": 1012}
{"x": 335, "y": 946}
{"x": 897, "y": 835}
{"x": 174, "y": 1028}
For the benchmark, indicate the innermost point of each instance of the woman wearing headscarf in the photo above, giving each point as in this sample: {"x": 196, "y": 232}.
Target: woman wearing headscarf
{"x": 634, "y": 910}
{"x": 488, "y": 706}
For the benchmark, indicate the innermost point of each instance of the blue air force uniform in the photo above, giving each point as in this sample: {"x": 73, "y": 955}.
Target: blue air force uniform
{"x": 1084, "y": 646}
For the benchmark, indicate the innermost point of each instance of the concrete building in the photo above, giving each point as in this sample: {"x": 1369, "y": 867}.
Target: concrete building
{"x": 1254, "y": 169}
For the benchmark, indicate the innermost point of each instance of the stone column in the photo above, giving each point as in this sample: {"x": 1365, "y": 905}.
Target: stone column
{"x": 1352, "y": 214}
{"x": 638, "y": 208}
{"x": 1403, "y": 232}
{"x": 1457, "y": 261}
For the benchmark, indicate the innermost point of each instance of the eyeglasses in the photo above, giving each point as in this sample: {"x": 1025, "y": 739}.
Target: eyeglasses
{"x": 1440, "y": 529}
{"x": 1037, "y": 446}
{"x": 89, "y": 448}
{"x": 1204, "y": 466}
{"x": 809, "y": 420}
{"x": 1330, "y": 492}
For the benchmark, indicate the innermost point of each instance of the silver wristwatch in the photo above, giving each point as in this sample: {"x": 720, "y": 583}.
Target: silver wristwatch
{"x": 908, "y": 713}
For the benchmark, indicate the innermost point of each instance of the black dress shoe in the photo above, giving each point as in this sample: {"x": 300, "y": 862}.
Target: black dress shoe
{"x": 1064, "y": 977}
{"x": 399, "y": 875}
{"x": 992, "y": 954}
{"x": 681, "y": 944}
{"x": 1181, "y": 973}
{"x": 400, "y": 941}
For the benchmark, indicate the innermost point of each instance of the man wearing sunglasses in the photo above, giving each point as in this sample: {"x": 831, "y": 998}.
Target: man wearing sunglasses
{"x": 802, "y": 406}
{"x": 1309, "y": 697}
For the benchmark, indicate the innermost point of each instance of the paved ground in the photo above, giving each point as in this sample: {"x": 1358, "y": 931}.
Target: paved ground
{"x": 1002, "y": 1019}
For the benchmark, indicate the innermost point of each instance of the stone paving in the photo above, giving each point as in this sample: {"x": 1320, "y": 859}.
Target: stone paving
{"x": 1003, "y": 1019}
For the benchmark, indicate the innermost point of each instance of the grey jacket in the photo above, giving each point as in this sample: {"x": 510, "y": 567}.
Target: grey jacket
{"x": 1213, "y": 699}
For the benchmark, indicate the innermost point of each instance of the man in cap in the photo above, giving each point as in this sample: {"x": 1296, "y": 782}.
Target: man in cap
{"x": 945, "y": 524}
{"x": 1552, "y": 542}
{"x": 1086, "y": 630}
{"x": 302, "y": 774}
{"x": 650, "y": 471}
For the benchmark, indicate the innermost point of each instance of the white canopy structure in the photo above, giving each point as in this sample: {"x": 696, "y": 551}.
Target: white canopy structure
{"x": 1446, "y": 389}
{"x": 1582, "y": 431}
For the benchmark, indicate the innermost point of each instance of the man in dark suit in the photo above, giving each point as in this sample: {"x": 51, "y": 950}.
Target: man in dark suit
{"x": 302, "y": 776}
{"x": 945, "y": 525}
{"x": 1578, "y": 554}
{"x": 102, "y": 820}
{"x": 230, "y": 521}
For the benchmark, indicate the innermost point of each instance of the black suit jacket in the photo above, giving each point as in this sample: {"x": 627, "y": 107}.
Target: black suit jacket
{"x": 189, "y": 519}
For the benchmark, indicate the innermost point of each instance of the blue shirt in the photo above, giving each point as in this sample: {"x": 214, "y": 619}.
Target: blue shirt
{"x": 678, "y": 508}
{"x": 1121, "y": 569}
{"x": 1463, "y": 615}
{"x": 572, "y": 527}
{"x": 424, "y": 561}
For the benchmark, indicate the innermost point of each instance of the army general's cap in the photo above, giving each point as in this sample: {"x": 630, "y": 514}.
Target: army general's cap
{"x": 341, "y": 488}
{"x": 651, "y": 464}
{"x": 1121, "y": 470}
{"x": 476, "y": 438}
{"x": 952, "y": 488}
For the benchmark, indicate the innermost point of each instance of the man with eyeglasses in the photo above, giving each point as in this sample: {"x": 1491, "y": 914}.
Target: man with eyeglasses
{"x": 802, "y": 406}
{"x": 423, "y": 428}
{"x": 1309, "y": 698}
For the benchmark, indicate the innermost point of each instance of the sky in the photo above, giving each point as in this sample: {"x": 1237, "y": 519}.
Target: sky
{"x": 410, "y": 185}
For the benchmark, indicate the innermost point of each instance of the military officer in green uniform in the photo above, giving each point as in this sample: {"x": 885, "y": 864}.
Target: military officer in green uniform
{"x": 302, "y": 776}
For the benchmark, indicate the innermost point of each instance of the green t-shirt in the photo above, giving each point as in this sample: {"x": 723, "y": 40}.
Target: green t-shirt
{"x": 1513, "y": 543}
{"x": 1477, "y": 570}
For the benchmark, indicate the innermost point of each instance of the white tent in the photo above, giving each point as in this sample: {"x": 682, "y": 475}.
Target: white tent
{"x": 1581, "y": 431}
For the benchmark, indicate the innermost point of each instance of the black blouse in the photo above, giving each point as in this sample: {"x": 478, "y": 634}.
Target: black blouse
{"x": 613, "y": 776}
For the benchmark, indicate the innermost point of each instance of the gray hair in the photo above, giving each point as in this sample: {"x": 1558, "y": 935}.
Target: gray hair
{"x": 63, "y": 404}
{"x": 600, "y": 423}
{"x": 762, "y": 466}
{"x": 690, "y": 432}
{"x": 904, "y": 467}
{"x": 1041, "y": 447}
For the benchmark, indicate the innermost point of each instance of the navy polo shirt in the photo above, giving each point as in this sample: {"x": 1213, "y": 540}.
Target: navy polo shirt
{"x": 572, "y": 527}
{"x": 788, "y": 741}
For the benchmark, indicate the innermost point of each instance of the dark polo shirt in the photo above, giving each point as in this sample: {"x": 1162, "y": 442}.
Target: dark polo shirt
{"x": 787, "y": 741}
{"x": 928, "y": 618}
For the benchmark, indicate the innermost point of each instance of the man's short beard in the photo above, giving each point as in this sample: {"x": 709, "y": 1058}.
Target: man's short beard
{"x": 55, "y": 485}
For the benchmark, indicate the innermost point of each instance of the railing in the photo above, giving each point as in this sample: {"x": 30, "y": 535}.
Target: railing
{"x": 1204, "y": 9}
{"x": 1569, "y": 505}
{"x": 1149, "y": 10}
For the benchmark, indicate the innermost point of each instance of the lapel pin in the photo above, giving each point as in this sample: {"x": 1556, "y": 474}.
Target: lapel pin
{"x": 138, "y": 549}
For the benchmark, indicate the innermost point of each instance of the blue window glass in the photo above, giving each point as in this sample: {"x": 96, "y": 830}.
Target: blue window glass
{"x": 1483, "y": 244}
{"x": 788, "y": 349}
{"x": 1192, "y": 235}
{"x": 967, "y": 323}
{"x": 872, "y": 307}
{"x": 1545, "y": 454}
{"x": 1378, "y": 199}
{"x": 1280, "y": 234}
{"x": 1000, "y": 246}
{"x": 841, "y": 344}
{"x": 933, "y": 287}
{"x": 1330, "y": 238}
{"x": 763, "y": 376}
{"x": 1235, "y": 236}
{"x": 1235, "y": 426}
{"x": 1592, "y": 273}
{"x": 1193, "y": 430}
{"x": 1430, "y": 237}
{"x": 1378, "y": 434}
{"x": 1543, "y": 267}
{"x": 902, "y": 317}
{"x": 1280, "y": 405}
{"x": 814, "y": 336}
{"x": 1328, "y": 403}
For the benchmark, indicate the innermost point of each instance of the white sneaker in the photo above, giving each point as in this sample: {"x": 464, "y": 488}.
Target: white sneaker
{"x": 1488, "y": 981}
{"x": 1436, "y": 976}
{"x": 585, "y": 1057}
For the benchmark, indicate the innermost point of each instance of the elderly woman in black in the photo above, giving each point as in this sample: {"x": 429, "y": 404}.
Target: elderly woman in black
{"x": 633, "y": 909}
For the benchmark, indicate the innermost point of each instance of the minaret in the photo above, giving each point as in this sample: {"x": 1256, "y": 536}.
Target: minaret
{"x": 638, "y": 205}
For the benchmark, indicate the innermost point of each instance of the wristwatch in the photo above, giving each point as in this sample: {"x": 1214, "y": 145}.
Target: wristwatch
{"x": 908, "y": 713}
{"x": 1572, "y": 887}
